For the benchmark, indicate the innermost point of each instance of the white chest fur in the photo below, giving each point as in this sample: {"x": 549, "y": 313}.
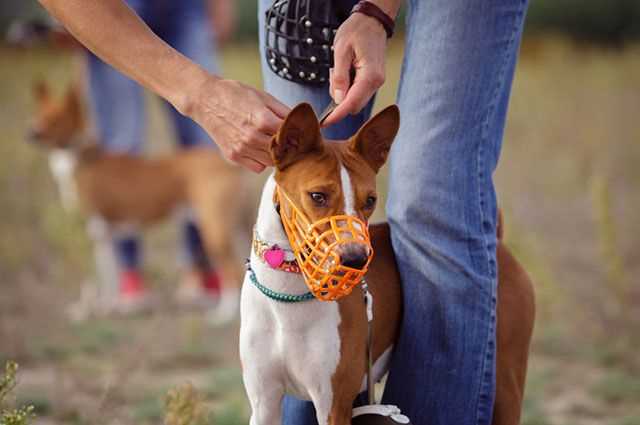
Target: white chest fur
{"x": 285, "y": 348}
{"x": 62, "y": 164}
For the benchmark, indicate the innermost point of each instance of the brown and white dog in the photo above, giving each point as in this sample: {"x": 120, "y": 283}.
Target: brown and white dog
{"x": 316, "y": 350}
{"x": 124, "y": 190}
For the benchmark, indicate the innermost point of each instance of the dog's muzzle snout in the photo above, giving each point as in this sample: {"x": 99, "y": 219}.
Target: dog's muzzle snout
{"x": 354, "y": 255}
{"x": 34, "y": 135}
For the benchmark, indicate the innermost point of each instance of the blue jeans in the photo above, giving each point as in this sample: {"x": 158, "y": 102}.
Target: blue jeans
{"x": 454, "y": 90}
{"x": 117, "y": 102}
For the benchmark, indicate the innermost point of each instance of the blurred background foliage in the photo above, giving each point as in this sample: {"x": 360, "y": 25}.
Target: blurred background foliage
{"x": 604, "y": 21}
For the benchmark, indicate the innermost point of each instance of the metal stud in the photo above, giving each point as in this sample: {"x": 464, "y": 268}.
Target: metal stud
{"x": 307, "y": 24}
{"x": 325, "y": 47}
{"x": 325, "y": 32}
{"x": 301, "y": 74}
{"x": 312, "y": 76}
{"x": 272, "y": 61}
{"x": 313, "y": 59}
{"x": 285, "y": 70}
{"x": 309, "y": 41}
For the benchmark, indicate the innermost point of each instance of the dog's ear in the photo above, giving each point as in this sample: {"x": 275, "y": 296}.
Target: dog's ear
{"x": 299, "y": 134}
{"x": 375, "y": 137}
{"x": 40, "y": 90}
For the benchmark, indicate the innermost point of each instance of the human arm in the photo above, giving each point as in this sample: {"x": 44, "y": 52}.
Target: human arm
{"x": 360, "y": 43}
{"x": 239, "y": 118}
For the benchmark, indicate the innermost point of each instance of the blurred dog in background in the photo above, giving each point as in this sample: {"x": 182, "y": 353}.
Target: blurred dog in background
{"x": 119, "y": 190}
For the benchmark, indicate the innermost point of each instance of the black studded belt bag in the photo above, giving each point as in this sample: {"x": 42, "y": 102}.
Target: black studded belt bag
{"x": 299, "y": 38}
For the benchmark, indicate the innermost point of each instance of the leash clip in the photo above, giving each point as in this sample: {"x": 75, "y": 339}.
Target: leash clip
{"x": 368, "y": 300}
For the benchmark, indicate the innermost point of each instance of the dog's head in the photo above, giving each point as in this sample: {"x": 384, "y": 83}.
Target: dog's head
{"x": 57, "y": 121}
{"x": 325, "y": 179}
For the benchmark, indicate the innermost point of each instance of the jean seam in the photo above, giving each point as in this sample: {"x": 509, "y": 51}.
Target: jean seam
{"x": 482, "y": 417}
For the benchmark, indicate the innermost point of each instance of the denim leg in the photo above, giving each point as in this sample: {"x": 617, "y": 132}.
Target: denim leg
{"x": 454, "y": 91}
{"x": 117, "y": 108}
{"x": 186, "y": 27}
{"x": 127, "y": 252}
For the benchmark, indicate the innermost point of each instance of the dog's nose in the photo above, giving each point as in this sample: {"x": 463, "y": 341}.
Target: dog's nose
{"x": 354, "y": 256}
{"x": 34, "y": 135}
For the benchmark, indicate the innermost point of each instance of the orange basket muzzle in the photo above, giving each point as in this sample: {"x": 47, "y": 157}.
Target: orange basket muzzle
{"x": 317, "y": 248}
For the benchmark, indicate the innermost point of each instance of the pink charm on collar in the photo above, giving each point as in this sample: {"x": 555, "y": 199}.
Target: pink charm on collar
{"x": 274, "y": 257}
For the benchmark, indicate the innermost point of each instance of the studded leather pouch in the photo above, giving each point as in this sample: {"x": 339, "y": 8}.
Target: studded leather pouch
{"x": 299, "y": 38}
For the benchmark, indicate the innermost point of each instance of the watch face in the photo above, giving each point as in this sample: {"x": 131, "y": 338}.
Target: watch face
{"x": 373, "y": 419}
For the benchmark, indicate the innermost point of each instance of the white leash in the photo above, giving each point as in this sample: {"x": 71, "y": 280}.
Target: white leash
{"x": 368, "y": 302}
{"x": 390, "y": 411}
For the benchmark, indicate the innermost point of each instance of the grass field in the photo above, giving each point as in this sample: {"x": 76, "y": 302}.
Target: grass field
{"x": 568, "y": 183}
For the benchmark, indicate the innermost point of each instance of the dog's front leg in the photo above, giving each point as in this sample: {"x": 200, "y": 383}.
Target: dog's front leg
{"x": 262, "y": 370}
{"x": 106, "y": 264}
{"x": 323, "y": 402}
{"x": 265, "y": 400}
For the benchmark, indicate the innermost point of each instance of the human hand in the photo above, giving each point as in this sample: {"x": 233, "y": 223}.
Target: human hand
{"x": 240, "y": 119}
{"x": 360, "y": 43}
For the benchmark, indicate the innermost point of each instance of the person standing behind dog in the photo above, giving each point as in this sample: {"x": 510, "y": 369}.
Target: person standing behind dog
{"x": 192, "y": 27}
{"x": 459, "y": 63}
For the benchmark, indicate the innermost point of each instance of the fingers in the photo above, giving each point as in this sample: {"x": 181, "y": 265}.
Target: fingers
{"x": 366, "y": 83}
{"x": 265, "y": 124}
{"x": 260, "y": 154}
{"x": 251, "y": 164}
{"x": 278, "y": 108}
{"x": 256, "y": 149}
{"x": 339, "y": 78}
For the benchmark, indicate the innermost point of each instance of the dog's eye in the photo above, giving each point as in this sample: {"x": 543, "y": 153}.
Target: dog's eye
{"x": 370, "y": 202}
{"x": 319, "y": 198}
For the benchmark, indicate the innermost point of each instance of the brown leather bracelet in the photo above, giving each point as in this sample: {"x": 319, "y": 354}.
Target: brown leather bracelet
{"x": 372, "y": 10}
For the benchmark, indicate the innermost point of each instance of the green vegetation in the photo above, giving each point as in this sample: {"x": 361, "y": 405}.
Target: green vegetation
{"x": 185, "y": 406}
{"x": 12, "y": 415}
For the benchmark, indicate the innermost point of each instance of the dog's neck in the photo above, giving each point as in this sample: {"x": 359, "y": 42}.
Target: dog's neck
{"x": 270, "y": 230}
{"x": 83, "y": 147}
{"x": 269, "y": 224}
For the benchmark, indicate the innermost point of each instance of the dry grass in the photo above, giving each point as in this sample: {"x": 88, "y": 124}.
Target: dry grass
{"x": 567, "y": 181}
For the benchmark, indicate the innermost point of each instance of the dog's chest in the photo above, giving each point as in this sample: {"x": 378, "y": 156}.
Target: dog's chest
{"x": 297, "y": 342}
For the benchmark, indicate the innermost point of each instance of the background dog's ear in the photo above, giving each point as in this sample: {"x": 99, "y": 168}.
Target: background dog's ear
{"x": 40, "y": 90}
{"x": 298, "y": 135}
{"x": 375, "y": 137}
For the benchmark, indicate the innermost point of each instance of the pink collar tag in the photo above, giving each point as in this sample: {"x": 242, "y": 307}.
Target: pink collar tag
{"x": 274, "y": 256}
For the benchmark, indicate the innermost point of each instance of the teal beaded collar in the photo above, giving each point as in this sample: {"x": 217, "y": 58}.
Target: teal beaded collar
{"x": 277, "y": 296}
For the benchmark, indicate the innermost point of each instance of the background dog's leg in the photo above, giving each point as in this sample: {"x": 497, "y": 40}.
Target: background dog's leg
{"x": 106, "y": 264}
{"x": 219, "y": 231}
